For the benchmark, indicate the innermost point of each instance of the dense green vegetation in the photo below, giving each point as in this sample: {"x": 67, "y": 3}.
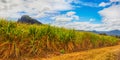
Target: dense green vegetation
{"x": 24, "y": 40}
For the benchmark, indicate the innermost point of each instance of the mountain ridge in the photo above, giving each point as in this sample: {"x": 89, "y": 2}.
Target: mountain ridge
{"x": 112, "y": 32}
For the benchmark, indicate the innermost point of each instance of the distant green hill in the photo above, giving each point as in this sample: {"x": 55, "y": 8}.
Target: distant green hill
{"x": 25, "y": 40}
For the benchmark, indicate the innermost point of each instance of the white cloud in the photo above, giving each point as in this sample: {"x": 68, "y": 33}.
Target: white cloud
{"x": 103, "y": 4}
{"x": 70, "y": 13}
{"x": 110, "y": 19}
{"x": 90, "y": 4}
{"x": 42, "y": 8}
{"x": 88, "y": 26}
{"x": 114, "y": 0}
{"x": 36, "y": 8}
{"x": 111, "y": 15}
{"x": 66, "y": 17}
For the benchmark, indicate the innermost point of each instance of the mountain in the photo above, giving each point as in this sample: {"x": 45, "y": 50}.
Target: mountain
{"x": 112, "y": 32}
{"x": 28, "y": 19}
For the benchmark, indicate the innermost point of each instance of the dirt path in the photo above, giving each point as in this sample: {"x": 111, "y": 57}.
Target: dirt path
{"x": 106, "y": 53}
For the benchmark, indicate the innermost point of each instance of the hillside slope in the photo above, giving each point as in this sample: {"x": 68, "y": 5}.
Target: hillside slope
{"x": 19, "y": 40}
{"x": 106, "y": 53}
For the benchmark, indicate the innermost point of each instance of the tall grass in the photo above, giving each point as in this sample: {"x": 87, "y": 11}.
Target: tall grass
{"x": 23, "y": 40}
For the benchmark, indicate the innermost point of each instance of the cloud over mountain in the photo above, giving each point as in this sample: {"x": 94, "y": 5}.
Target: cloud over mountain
{"x": 66, "y": 13}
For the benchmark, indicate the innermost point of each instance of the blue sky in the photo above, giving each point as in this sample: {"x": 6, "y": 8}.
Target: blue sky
{"x": 76, "y": 14}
